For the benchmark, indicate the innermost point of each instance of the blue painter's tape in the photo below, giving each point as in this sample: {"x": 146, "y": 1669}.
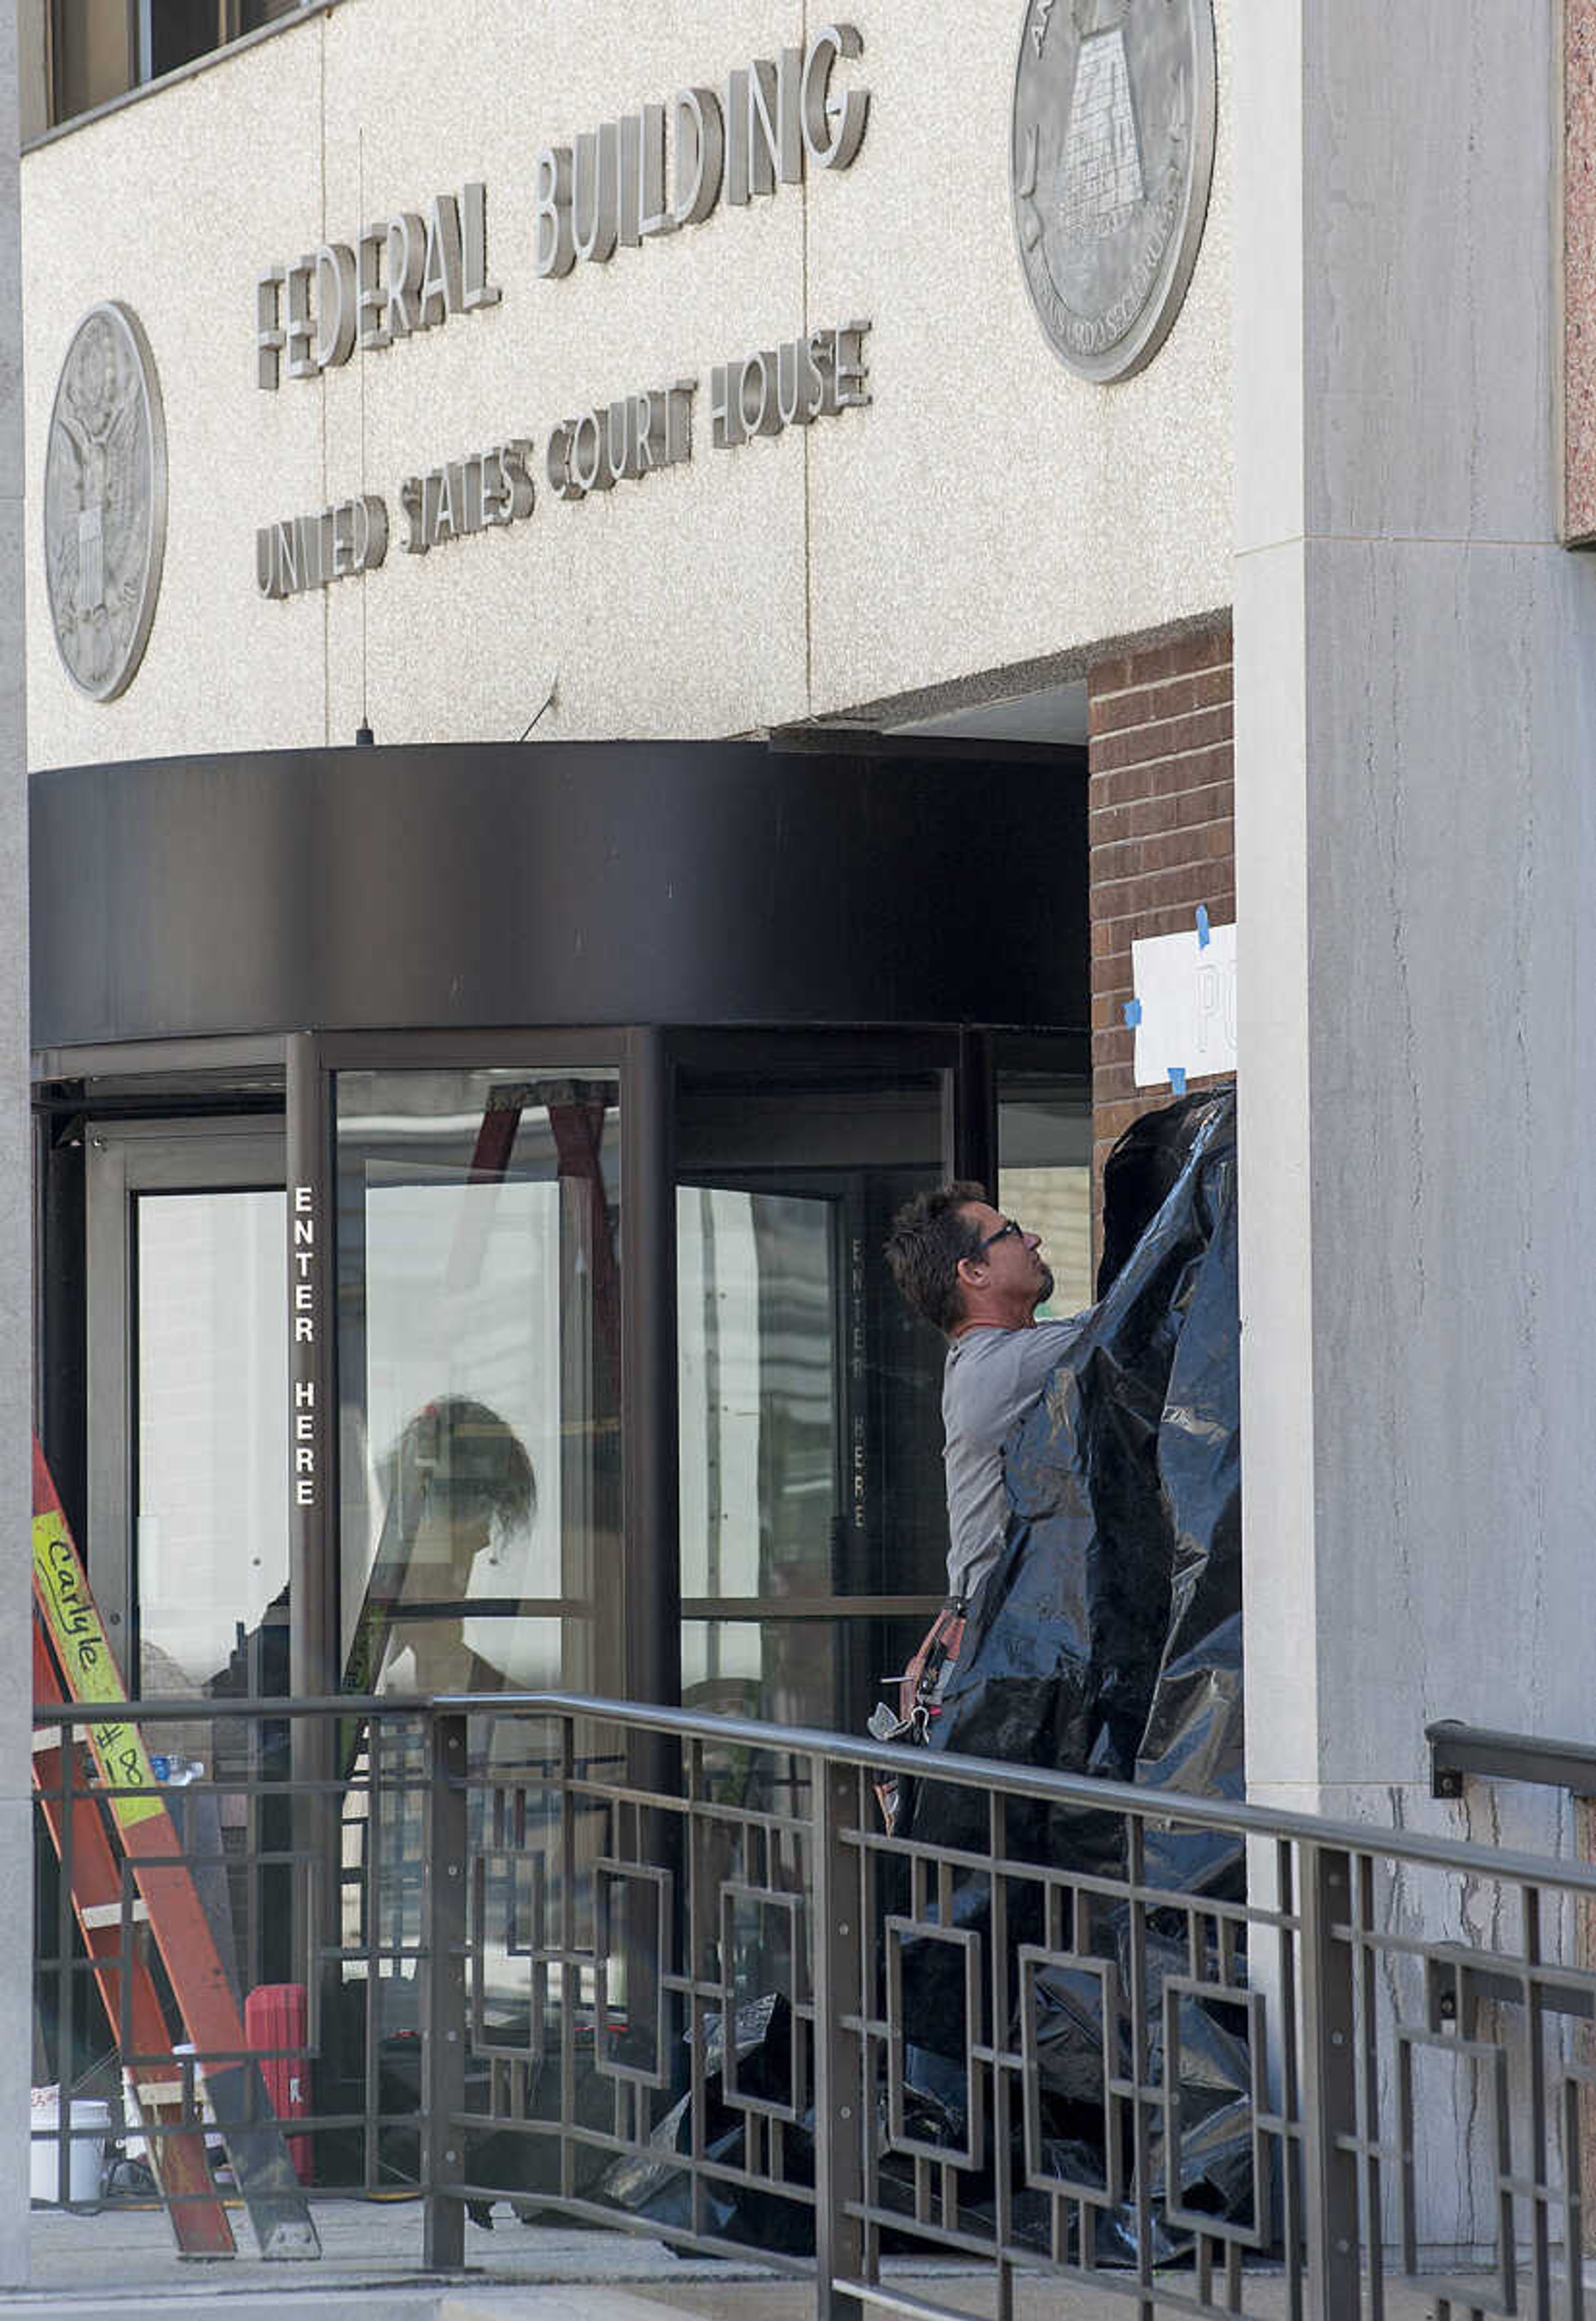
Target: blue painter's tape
{"x": 1133, "y": 1010}
{"x": 1177, "y": 1073}
{"x": 1202, "y": 926}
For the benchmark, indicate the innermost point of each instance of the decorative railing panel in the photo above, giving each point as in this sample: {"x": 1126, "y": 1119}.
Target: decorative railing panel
{"x": 643, "y": 1966}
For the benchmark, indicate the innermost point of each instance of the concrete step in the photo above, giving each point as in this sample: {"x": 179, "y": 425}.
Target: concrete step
{"x": 382, "y": 2302}
{"x": 966, "y": 2295}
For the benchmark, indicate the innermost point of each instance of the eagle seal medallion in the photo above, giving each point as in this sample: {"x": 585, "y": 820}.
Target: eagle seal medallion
{"x": 104, "y": 501}
{"x": 1110, "y": 162}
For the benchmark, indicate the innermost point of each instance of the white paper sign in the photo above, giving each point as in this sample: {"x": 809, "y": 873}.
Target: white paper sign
{"x": 1186, "y": 992}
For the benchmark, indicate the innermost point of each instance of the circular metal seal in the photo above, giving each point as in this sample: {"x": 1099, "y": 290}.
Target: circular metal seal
{"x": 1110, "y": 160}
{"x": 104, "y": 501}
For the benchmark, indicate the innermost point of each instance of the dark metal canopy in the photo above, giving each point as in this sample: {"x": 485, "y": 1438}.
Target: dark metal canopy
{"x": 566, "y": 883}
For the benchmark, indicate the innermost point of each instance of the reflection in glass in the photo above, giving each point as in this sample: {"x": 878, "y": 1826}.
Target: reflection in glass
{"x": 480, "y": 1365}
{"x": 1044, "y": 1177}
{"x": 810, "y": 1431}
{"x": 92, "y": 52}
{"x": 211, "y": 1533}
{"x": 174, "y": 33}
{"x": 738, "y": 1667}
{"x": 457, "y": 1485}
{"x": 213, "y": 1443}
{"x": 757, "y": 1306}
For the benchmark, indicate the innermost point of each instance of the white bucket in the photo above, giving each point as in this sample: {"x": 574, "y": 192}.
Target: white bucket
{"x": 85, "y": 2155}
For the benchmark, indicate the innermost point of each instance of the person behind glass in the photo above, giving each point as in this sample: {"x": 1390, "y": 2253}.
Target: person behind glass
{"x": 978, "y": 1277}
{"x": 458, "y": 1482}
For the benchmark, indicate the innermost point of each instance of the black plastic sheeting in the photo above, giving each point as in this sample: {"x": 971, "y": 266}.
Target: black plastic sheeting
{"x": 1106, "y": 1641}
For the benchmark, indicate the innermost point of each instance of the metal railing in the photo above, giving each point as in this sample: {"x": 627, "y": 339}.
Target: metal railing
{"x": 1458, "y": 1750}
{"x": 643, "y": 1966}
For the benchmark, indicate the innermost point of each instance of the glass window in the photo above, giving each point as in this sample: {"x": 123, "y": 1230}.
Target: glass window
{"x": 479, "y": 1371}
{"x": 1044, "y": 1175}
{"x": 92, "y": 54}
{"x": 101, "y": 48}
{"x": 173, "y": 32}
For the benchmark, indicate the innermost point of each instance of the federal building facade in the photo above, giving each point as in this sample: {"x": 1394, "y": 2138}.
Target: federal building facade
{"x": 646, "y": 630}
{"x": 564, "y": 653}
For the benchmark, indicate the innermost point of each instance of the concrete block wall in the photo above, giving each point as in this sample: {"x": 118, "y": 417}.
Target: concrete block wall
{"x": 1162, "y": 835}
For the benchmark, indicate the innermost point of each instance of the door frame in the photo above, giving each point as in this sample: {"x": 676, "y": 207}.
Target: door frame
{"x": 124, "y": 1158}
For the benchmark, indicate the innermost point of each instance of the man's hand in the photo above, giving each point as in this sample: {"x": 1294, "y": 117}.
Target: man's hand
{"x": 921, "y": 1686}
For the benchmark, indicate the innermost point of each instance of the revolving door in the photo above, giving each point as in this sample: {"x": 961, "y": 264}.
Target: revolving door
{"x": 567, "y": 1093}
{"x": 753, "y": 1521}
{"x": 594, "y": 1073}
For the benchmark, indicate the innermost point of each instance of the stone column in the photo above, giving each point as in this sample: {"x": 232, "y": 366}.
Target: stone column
{"x": 16, "y": 1328}
{"x": 1416, "y": 862}
{"x": 1415, "y": 824}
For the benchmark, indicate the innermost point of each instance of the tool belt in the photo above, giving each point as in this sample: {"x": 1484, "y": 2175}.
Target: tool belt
{"x": 920, "y": 1690}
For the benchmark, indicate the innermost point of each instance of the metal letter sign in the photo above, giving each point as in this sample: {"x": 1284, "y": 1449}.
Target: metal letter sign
{"x": 1112, "y": 152}
{"x": 104, "y": 501}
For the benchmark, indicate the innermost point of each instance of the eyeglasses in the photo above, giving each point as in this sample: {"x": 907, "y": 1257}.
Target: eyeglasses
{"x": 1005, "y": 1229}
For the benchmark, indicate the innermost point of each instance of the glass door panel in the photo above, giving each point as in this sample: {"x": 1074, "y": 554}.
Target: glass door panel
{"x": 210, "y": 1537}
{"x": 759, "y": 1313}
{"x": 479, "y": 1466}
{"x": 187, "y": 1374}
{"x": 1044, "y": 1175}
{"x": 812, "y": 1523}
{"x": 479, "y": 1375}
{"x": 759, "y": 1310}
{"x": 187, "y": 1513}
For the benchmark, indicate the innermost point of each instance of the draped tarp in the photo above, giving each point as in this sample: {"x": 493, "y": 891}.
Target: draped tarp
{"x": 1106, "y": 1641}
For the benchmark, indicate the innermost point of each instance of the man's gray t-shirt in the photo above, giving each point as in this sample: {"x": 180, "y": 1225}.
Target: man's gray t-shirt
{"x": 991, "y": 1379}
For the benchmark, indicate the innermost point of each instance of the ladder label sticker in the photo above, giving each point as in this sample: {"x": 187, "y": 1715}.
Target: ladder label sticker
{"x": 90, "y": 1666}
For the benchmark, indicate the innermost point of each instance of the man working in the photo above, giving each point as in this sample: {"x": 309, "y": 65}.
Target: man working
{"x": 979, "y": 1279}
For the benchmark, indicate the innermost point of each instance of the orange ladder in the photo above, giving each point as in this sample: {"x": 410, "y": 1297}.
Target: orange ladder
{"x": 73, "y": 1661}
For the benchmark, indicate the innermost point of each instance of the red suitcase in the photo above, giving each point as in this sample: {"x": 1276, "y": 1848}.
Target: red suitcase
{"x": 274, "y": 2017}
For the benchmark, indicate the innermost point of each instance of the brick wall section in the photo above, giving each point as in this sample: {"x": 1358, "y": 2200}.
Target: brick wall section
{"x": 1162, "y": 839}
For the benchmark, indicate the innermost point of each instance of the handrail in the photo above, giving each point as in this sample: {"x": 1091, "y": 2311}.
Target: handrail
{"x": 1458, "y": 1749}
{"x": 161, "y": 1708}
{"x": 472, "y": 1898}
{"x": 990, "y": 1773}
{"x": 1455, "y": 1748}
